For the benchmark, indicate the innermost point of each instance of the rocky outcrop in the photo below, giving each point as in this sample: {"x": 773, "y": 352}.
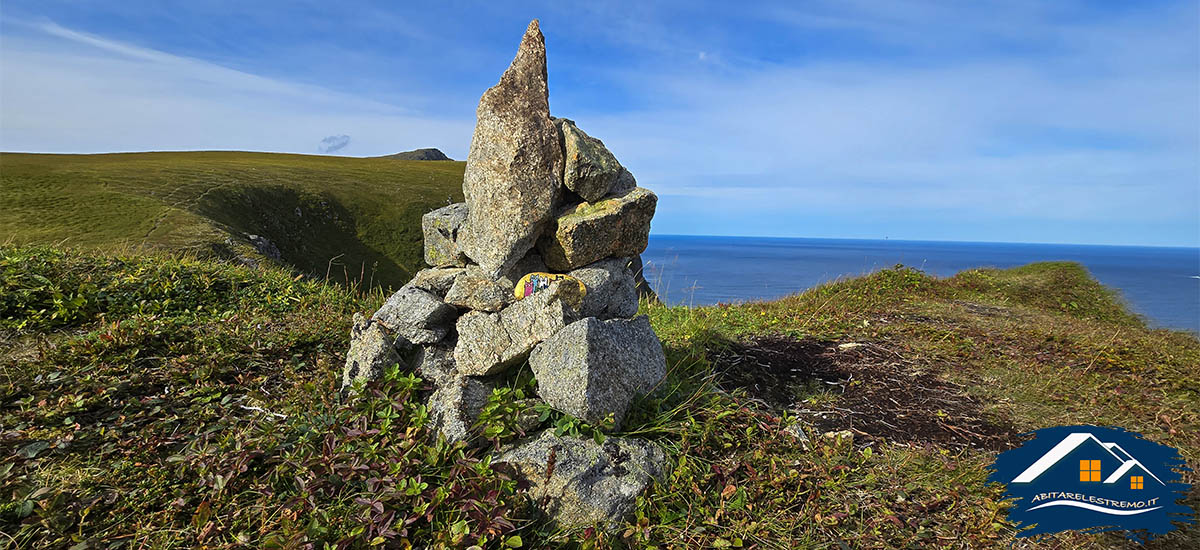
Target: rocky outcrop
{"x": 540, "y": 264}
{"x": 594, "y": 369}
{"x": 514, "y": 166}
{"x": 584, "y": 233}
{"x": 589, "y": 482}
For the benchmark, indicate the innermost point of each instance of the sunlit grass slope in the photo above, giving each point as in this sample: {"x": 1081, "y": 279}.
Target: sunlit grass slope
{"x": 165, "y": 402}
{"x": 354, "y": 218}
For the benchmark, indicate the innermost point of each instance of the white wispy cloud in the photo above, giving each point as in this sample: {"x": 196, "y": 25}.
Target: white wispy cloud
{"x": 66, "y": 91}
{"x": 962, "y": 134}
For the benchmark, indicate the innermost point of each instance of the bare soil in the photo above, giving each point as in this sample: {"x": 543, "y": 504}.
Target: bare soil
{"x": 866, "y": 388}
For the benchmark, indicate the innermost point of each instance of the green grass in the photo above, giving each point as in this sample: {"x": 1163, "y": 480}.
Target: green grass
{"x": 164, "y": 401}
{"x": 357, "y": 219}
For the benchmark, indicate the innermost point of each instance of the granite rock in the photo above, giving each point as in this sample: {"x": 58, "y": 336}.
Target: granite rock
{"x": 455, "y": 405}
{"x": 437, "y": 280}
{"x": 616, "y": 226}
{"x": 489, "y": 343}
{"x": 514, "y": 167}
{"x": 477, "y": 291}
{"x": 594, "y": 369}
{"x": 441, "y": 229}
{"x": 416, "y": 315}
{"x": 435, "y": 362}
{"x": 372, "y": 349}
{"x": 589, "y": 168}
{"x": 611, "y": 289}
{"x": 590, "y": 482}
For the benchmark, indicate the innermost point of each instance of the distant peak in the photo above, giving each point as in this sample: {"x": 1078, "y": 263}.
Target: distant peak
{"x": 429, "y": 153}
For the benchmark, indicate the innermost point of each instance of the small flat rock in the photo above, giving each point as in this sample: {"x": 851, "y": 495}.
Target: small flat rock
{"x": 455, "y": 405}
{"x": 590, "y": 169}
{"x": 594, "y": 369}
{"x": 372, "y": 349}
{"x": 441, "y": 229}
{"x": 437, "y": 280}
{"x": 590, "y": 482}
{"x": 416, "y": 315}
{"x": 616, "y": 226}
{"x": 489, "y": 343}
{"x": 514, "y": 167}
{"x": 476, "y": 290}
{"x": 611, "y": 289}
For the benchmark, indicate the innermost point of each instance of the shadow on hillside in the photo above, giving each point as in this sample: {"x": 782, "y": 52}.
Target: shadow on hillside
{"x": 313, "y": 233}
{"x": 865, "y": 388}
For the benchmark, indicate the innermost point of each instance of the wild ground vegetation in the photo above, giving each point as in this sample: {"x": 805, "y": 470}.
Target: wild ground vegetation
{"x": 164, "y": 401}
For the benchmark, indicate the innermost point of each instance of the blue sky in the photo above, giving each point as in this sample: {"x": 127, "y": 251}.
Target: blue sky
{"x": 1015, "y": 121}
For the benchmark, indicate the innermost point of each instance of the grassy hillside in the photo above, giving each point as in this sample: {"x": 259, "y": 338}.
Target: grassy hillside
{"x": 361, "y": 214}
{"x": 167, "y": 402}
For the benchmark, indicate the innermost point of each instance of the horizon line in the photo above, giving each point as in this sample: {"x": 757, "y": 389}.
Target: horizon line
{"x": 902, "y": 240}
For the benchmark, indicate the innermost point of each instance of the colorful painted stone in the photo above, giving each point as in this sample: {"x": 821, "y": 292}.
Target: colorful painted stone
{"x": 533, "y": 282}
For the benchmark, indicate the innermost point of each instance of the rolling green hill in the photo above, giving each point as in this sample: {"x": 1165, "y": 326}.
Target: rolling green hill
{"x": 357, "y": 219}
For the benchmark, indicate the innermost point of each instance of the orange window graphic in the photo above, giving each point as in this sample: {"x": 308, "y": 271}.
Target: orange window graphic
{"x": 1089, "y": 470}
{"x": 1135, "y": 482}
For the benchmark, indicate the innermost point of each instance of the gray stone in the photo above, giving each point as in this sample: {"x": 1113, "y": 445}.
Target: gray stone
{"x": 489, "y": 343}
{"x": 416, "y": 315}
{"x": 589, "y": 169}
{"x": 611, "y": 289}
{"x": 264, "y": 246}
{"x": 441, "y": 228}
{"x": 372, "y": 349}
{"x": 589, "y": 482}
{"x": 437, "y": 280}
{"x": 455, "y": 405}
{"x": 618, "y": 225}
{"x": 435, "y": 362}
{"x": 514, "y": 167}
{"x": 477, "y": 291}
{"x": 594, "y": 369}
{"x": 625, "y": 181}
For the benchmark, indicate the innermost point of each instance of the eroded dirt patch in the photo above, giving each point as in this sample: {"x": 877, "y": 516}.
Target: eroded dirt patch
{"x": 866, "y": 388}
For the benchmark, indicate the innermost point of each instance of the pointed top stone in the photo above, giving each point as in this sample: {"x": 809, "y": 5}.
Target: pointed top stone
{"x": 514, "y": 167}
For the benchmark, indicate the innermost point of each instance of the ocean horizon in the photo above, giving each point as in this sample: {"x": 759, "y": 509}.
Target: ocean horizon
{"x": 1161, "y": 283}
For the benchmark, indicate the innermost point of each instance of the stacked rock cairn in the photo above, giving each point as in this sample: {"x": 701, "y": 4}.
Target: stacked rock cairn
{"x": 539, "y": 265}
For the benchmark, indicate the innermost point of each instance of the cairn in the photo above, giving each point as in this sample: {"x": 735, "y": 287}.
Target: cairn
{"x": 540, "y": 265}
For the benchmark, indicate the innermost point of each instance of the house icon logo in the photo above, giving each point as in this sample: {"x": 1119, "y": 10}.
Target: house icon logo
{"x": 1093, "y": 479}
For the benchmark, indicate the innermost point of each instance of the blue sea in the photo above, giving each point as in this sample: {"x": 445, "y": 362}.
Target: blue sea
{"x": 1162, "y": 284}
